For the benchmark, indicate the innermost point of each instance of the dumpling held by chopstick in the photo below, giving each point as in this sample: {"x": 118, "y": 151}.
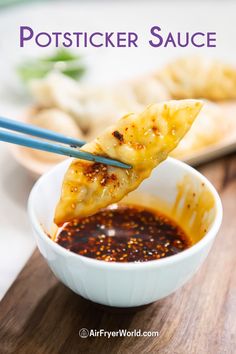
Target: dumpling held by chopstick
{"x": 142, "y": 140}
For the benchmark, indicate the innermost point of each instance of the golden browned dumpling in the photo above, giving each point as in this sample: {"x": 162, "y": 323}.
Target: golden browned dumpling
{"x": 142, "y": 140}
{"x": 195, "y": 77}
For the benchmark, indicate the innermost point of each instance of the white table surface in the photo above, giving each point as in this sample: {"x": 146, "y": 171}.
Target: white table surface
{"x": 16, "y": 242}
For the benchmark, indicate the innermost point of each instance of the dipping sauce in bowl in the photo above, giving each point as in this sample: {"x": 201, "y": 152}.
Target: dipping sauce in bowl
{"x": 124, "y": 233}
{"x": 187, "y": 198}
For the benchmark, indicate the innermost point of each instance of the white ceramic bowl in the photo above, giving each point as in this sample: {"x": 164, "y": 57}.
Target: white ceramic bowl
{"x": 130, "y": 284}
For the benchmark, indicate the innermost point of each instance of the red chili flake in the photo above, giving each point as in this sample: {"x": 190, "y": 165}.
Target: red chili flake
{"x": 118, "y": 136}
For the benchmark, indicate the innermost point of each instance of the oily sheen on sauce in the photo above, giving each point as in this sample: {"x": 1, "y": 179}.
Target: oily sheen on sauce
{"x": 124, "y": 233}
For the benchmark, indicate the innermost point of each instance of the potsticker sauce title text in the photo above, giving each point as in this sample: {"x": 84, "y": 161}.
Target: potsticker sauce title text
{"x": 27, "y": 36}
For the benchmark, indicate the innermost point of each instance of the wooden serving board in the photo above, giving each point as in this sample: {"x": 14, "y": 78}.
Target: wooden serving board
{"x": 40, "y": 315}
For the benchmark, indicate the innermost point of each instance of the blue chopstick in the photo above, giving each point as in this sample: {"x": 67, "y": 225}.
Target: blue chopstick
{"x": 39, "y": 132}
{"x": 23, "y": 140}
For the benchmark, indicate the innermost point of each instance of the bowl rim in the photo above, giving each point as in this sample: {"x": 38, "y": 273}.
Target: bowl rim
{"x": 207, "y": 238}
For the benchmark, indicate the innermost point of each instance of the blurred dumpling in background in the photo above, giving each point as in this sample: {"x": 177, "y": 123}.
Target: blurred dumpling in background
{"x": 84, "y": 110}
{"x": 59, "y": 91}
{"x": 196, "y": 77}
{"x": 206, "y": 130}
{"x": 92, "y": 108}
{"x": 149, "y": 90}
{"x": 58, "y": 121}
